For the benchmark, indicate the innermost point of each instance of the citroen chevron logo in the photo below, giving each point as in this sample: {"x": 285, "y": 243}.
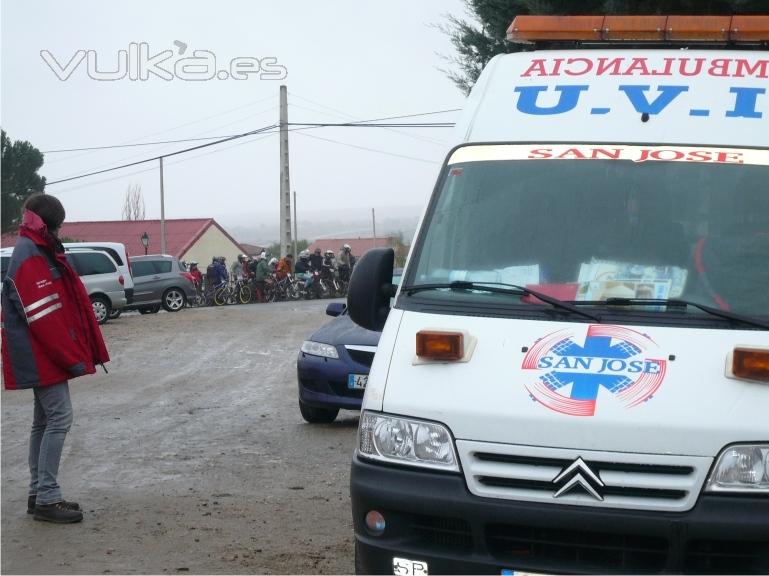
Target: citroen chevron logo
{"x": 578, "y": 473}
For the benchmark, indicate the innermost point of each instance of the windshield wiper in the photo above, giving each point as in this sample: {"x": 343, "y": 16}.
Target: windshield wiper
{"x": 501, "y": 288}
{"x": 679, "y": 303}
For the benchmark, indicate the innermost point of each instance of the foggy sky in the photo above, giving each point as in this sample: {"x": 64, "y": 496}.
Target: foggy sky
{"x": 344, "y": 59}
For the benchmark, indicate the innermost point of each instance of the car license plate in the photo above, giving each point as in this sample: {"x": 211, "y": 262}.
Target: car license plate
{"x": 406, "y": 567}
{"x": 357, "y": 381}
{"x": 509, "y": 572}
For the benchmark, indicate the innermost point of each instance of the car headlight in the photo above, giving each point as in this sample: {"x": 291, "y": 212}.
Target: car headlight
{"x": 319, "y": 349}
{"x": 741, "y": 468}
{"x": 406, "y": 441}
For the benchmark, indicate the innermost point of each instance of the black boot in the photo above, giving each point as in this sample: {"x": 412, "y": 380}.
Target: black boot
{"x": 58, "y": 513}
{"x": 32, "y": 499}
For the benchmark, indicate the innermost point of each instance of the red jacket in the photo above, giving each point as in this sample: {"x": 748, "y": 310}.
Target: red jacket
{"x": 49, "y": 331}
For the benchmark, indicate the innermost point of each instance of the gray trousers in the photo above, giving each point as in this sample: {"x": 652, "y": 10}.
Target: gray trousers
{"x": 51, "y": 422}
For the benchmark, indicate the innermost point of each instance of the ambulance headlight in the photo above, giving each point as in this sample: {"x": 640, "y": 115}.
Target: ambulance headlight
{"x": 741, "y": 468}
{"x": 406, "y": 441}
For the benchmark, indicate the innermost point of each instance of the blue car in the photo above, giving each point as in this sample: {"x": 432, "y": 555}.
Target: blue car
{"x": 334, "y": 363}
{"x": 333, "y": 366}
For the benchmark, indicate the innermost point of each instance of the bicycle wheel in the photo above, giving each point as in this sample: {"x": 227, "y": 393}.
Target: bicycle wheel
{"x": 221, "y": 296}
{"x": 244, "y": 294}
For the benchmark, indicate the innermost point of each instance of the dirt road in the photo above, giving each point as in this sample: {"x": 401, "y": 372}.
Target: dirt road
{"x": 190, "y": 456}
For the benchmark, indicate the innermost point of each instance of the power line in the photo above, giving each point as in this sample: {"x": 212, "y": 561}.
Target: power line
{"x": 179, "y": 161}
{"x": 250, "y": 133}
{"x": 222, "y": 113}
{"x": 111, "y": 146}
{"x": 364, "y": 123}
{"x": 380, "y": 125}
{"x": 192, "y": 137}
{"x": 313, "y": 124}
{"x": 341, "y": 113}
{"x": 370, "y": 149}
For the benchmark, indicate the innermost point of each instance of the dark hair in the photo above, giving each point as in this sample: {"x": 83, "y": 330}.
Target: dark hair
{"x": 48, "y": 208}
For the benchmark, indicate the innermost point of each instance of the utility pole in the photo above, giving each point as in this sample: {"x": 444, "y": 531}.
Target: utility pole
{"x": 162, "y": 212}
{"x": 296, "y": 234}
{"x": 373, "y": 220}
{"x": 285, "y": 188}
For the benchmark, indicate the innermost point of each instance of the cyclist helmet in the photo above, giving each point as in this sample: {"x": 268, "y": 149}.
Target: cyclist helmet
{"x": 273, "y": 261}
{"x": 347, "y": 247}
{"x": 330, "y": 253}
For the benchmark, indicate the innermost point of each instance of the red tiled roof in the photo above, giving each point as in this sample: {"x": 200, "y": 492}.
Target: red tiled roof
{"x": 359, "y": 245}
{"x": 251, "y": 249}
{"x": 181, "y": 234}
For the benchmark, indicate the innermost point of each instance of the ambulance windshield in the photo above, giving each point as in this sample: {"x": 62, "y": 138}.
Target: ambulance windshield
{"x": 590, "y": 223}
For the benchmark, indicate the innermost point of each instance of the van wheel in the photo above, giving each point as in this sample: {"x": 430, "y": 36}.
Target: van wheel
{"x": 101, "y": 308}
{"x": 315, "y": 415}
{"x": 150, "y": 309}
{"x": 115, "y": 314}
{"x": 174, "y": 300}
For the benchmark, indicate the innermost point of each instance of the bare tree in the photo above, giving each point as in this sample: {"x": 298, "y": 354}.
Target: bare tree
{"x": 133, "y": 207}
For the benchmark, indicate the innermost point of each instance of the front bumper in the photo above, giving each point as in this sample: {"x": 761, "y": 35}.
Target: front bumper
{"x": 323, "y": 381}
{"x": 432, "y": 518}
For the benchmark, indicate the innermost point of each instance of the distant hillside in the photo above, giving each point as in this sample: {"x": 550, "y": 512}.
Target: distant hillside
{"x": 264, "y": 234}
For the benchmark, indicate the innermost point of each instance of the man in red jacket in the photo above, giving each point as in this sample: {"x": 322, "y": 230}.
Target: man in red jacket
{"x": 49, "y": 335}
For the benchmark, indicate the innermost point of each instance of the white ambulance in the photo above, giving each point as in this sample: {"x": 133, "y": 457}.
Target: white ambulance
{"x": 574, "y": 376}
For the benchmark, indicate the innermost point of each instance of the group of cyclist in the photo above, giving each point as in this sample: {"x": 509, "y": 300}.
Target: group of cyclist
{"x": 263, "y": 272}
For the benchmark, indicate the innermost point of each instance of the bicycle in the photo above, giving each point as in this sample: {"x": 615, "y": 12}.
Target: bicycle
{"x": 243, "y": 291}
{"x": 237, "y": 292}
{"x": 278, "y": 290}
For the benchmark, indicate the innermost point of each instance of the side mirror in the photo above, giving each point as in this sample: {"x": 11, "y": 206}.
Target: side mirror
{"x": 371, "y": 287}
{"x": 335, "y": 308}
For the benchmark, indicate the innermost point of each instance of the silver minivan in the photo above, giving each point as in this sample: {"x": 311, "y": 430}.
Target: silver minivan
{"x": 103, "y": 281}
{"x": 119, "y": 254}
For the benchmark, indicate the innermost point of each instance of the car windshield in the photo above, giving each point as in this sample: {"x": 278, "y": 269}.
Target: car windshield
{"x": 587, "y": 223}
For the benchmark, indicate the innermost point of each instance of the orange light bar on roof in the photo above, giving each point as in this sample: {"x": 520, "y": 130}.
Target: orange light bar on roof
{"x": 633, "y": 28}
{"x": 698, "y": 28}
{"x": 749, "y": 28}
{"x": 750, "y": 364}
{"x": 530, "y": 29}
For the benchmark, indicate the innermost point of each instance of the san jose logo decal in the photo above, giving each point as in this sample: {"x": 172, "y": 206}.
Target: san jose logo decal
{"x": 569, "y": 368}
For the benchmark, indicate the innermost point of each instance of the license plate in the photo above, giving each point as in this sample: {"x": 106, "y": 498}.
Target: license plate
{"x": 406, "y": 567}
{"x": 357, "y": 381}
{"x": 509, "y": 572}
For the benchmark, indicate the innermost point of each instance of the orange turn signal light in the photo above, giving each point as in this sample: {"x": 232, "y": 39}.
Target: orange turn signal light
{"x": 751, "y": 364}
{"x": 434, "y": 345}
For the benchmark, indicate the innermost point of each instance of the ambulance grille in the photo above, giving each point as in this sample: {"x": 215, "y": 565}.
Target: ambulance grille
{"x": 584, "y": 477}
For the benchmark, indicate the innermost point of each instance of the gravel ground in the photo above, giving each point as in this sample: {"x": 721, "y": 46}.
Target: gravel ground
{"x": 190, "y": 456}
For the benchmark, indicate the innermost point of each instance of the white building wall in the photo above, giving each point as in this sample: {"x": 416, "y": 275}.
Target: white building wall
{"x": 212, "y": 243}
